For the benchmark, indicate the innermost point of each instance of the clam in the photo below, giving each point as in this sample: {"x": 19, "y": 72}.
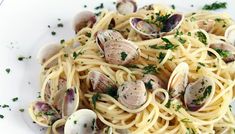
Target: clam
{"x": 152, "y": 82}
{"x": 178, "y": 80}
{"x": 46, "y": 94}
{"x": 100, "y": 82}
{"x": 126, "y": 6}
{"x": 132, "y": 94}
{"x": 152, "y": 30}
{"x": 206, "y": 25}
{"x": 47, "y": 51}
{"x": 84, "y": 19}
{"x": 121, "y": 52}
{"x": 144, "y": 28}
{"x": 82, "y": 121}
{"x": 230, "y": 34}
{"x": 70, "y": 102}
{"x": 43, "y": 113}
{"x": 224, "y": 49}
{"x": 198, "y": 93}
{"x": 106, "y": 35}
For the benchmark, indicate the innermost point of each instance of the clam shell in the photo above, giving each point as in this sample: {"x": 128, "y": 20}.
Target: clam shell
{"x": 152, "y": 82}
{"x": 121, "y": 52}
{"x": 143, "y": 28}
{"x": 230, "y": 34}
{"x": 84, "y": 19}
{"x": 227, "y": 47}
{"x": 132, "y": 94}
{"x": 197, "y": 94}
{"x": 82, "y": 121}
{"x": 206, "y": 25}
{"x": 47, "y": 93}
{"x": 70, "y": 102}
{"x": 178, "y": 80}
{"x": 173, "y": 23}
{"x": 100, "y": 82}
{"x": 47, "y": 51}
{"x": 43, "y": 113}
{"x": 106, "y": 35}
{"x": 126, "y": 6}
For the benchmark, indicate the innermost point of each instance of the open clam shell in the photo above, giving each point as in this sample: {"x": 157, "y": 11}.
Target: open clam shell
{"x": 121, "y": 52}
{"x": 47, "y": 93}
{"x": 132, "y": 94}
{"x": 47, "y": 51}
{"x": 152, "y": 30}
{"x": 126, "y": 6}
{"x": 70, "y": 102}
{"x": 173, "y": 22}
{"x": 178, "y": 80}
{"x": 82, "y": 121}
{"x": 145, "y": 29}
{"x": 43, "y": 113}
{"x": 225, "y": 50}
{"x": 230, "y": 34}
{"x": 197, "y": 94}
{"x": 84, "y": 19}
{"x": 106, "y": 35}
{"x": 100, "y": 82}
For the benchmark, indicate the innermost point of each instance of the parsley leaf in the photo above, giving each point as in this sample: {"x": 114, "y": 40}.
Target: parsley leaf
{"x": 161, "y": 56}
{"x": 222, "y": 53}
{"x": 8, "y": 70}
{"x": 95, "y": 98}
{"x": 123, "y": 55}
{"x": 150, "y": 69}
{"x": 167, "y": 46}
{"x": 149, "y": 85}
{"x": 215, "y": 6}
{"x": 201, "y": 37}
{"x": 75, "y": 55}
{"x": 15, "y": 99}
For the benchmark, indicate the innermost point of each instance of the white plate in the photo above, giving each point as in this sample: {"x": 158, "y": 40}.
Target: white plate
{"x": 24, "y": 23}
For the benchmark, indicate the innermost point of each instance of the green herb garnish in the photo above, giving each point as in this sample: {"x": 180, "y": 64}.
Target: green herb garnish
{"x": 201, "y": 37}
{"x": 123, "y": 55}
{"x": 1, "y": 116}
{"x": 222, "y": 53}
{"x": 186, "y": 120}
{"x": 60, "y": 25}
{"x": 167, "y": 46}
{"x": 8, "y": 70}
{"x": 75, "y": 55}
{"x": 53, "y": 33}
{"x": 173, "y": 6}
{"x": 215, "y": 6}
{"x": 149, "y": 85}
{"x": 150, "y": 69}
{"x": 21, "y": 110}
{"x": 161, "y": 56}
{"x": 62, "y": 41}
{"x": 15, "y": 99}
{"x": 168, "y": 104}
{"x": 95, "y": 98}
{"x": 206, "y": 93}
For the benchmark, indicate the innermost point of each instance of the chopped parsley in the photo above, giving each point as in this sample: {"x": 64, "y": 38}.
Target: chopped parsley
{"x": 206, "y": 93}
{"x": 5, "y": 106}
{"x": 95, "y": 98}
{"x": 190, "y": 131}
{"x": 15, "y": 99}
{"x": 161, "y": 56}
{"x": 1, "y": 116}
{"x": 101, "y": 6}
{"x": 8, "y": 70}
{"x": 178, "y": 107}
{"x": 181, "y": 40}
{"x": 112, "y": 91}
{"x": 202, "y": 64}
{"x": 60, "y": 25}
{"x": 21, "y": 110}
{"x": 21, "y": 58}
{"x": 167, "y": 46}
{"x": 150, "y": 69}
{"x": 75, "y": 55}
{"x": 149, "y": 85}
{"x": 201, "y": 37}
{"x": 222, "y": 53}
{"x": 75, "y": 122}
{"x": 173, "y": 6}
{"x": 85, "y": 6}
{"x": 230, "y": 107}
{"x": 168, "y": 104}
{"x": 123, "y": 55}
{"x": 62, "y": 41}
{"x": 215, "y": 6}
{"x": 88, "y": 34}
{"x": 53, "y": 33}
